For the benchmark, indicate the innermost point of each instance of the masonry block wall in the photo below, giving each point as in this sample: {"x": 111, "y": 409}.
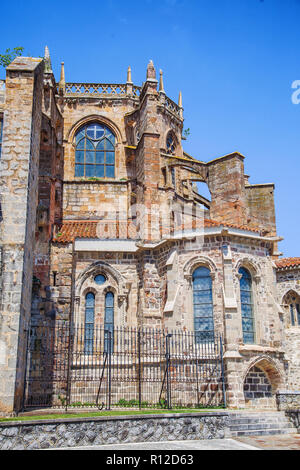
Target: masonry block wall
{"x": 288, "y": 288}
{"x": 261, "y": 207}
{"x": 147, "y": 230}
{"x": 19, "y": 198}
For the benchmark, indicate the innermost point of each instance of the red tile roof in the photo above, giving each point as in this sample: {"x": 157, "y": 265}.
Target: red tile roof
{"x": 287, "y": 263}
{"x": 214, "y": 223}
{"x": 71, "y": 229}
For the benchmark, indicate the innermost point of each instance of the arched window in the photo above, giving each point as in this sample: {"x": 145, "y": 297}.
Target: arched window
{"x": 292, "y": 301}
{"x": 247, "y": 306}
{"x": 171, "y": 143}
{"x": 89, "y": 323}
{"x": 95, "y": 152}
{"x": 109, "y": 320}
{"x": 203, "y": 305}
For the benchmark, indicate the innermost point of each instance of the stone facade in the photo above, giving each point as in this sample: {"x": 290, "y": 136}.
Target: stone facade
{"x": 144, "y": 227}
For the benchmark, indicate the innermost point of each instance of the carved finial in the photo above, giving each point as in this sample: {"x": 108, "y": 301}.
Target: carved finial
{"x": 47, "y": 60}
{"x": 180, "y": 100}
{"x": 62, "y": 82}
{"x": 161, "y": 82}
{"x": 151, "y": 74}
{"x": 129, "y": 80}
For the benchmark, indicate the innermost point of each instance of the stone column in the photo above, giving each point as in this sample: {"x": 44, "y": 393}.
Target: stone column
{"x": 18, "y": 193}
{"x": 233, "y": 333}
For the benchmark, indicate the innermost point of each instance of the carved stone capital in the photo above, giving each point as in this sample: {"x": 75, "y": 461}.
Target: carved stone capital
{"x": 188, "y": 277}
{"x": 122, "y": 298}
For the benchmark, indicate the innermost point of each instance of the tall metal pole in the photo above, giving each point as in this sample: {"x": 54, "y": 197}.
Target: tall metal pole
{"x": 168, "y": 371}
{"x": 222, "y": 370}
{"x": 71, "y": 329}
{"x": 139, "y": 369}
{"x": 109, "y": 369}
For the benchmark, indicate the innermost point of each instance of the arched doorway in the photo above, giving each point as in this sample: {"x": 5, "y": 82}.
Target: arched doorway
{"x": 260, "y": 385}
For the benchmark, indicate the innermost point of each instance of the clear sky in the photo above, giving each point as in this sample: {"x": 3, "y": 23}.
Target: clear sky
{"x": 234, "y": 60}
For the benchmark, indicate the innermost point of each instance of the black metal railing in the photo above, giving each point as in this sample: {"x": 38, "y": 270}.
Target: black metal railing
{"x": 127, "y": 367}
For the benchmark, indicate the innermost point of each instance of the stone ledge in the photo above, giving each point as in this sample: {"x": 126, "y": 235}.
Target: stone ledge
{"x": 113, "y": 418}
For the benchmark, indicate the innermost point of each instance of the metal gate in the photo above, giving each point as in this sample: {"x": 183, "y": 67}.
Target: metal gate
{"x": 129, "y": 367}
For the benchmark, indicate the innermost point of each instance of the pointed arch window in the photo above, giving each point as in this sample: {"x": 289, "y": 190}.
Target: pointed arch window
{"x": 95, "y": 152}
{"x": 171, "y": 143}
{"x": 247, "y": 306}
{"x": 109, "y": 320}
{"x": 292, "y": 300}
{"x": 203, "y": 305}
{"x": 89, "y": 323}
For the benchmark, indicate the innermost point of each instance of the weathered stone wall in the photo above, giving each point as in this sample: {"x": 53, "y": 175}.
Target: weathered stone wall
{"x": 114, "y": 430}
{"x": 95, "y": 200}
{"x": 19, "y": 196}
{"x": 258, "y": 390}
{"x": 288, "y": 281}
{"x": 227, "y": 188}
{"x": 288, "y": 400}
{"x": 261, "y": 208}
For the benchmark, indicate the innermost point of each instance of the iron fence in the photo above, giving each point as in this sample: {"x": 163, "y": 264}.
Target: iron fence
{"x": 125, "y": 367}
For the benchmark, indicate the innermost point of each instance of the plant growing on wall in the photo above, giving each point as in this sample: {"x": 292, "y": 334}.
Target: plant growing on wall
{"x": 10, "y": 55}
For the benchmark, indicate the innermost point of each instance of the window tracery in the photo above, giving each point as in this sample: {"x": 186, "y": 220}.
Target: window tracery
{"x": 95, "y": 151}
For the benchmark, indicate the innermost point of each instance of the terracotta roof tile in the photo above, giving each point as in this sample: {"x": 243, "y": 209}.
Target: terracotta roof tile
{"x": 71, "y": 229}
{"x": 287, "y": 263}
{"x": 214, "y": 223}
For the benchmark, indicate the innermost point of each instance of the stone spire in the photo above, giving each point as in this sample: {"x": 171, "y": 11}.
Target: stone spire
{"x": 180, "y": 104}
{"x": 151, "y": 74}
{"x": 129, "y": 80}
{"x": 47, "y": 60}
{"x": 180, "y": 100}
{"x": 62, "y": 81}
{"x": 161, "y": 83}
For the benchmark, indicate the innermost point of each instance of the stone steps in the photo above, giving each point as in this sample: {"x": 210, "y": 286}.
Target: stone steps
{"x": 259, "y": 424}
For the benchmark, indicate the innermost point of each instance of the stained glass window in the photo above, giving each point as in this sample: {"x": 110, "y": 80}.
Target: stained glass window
{"x": 109, "y": 320}
{"x": 292, "y": 302}
{"x": 203, "y": 305}
{"x": 89, "y": 323}
{"x": 100, "y": 279}
{"x": 298, "y": 313}
{"x": 247, "y": 306}
{"x": 171, "y": 144}
{"x": 292, "y": 315}
{"x": 95, "y": 152}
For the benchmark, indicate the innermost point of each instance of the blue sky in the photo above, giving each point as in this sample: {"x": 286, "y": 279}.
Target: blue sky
{"x": 234, "y": 60}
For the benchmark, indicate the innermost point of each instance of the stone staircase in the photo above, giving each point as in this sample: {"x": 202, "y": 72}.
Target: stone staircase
{"x": 261, "y": 423}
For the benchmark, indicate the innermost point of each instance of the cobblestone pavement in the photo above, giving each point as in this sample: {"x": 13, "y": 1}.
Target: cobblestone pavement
{"x": 277, "y": 442}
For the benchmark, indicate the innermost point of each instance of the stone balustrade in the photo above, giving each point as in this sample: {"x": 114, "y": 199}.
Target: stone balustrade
{"x": 113, "y": 90}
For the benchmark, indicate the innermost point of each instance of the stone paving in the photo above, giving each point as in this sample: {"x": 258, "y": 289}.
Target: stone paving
{"x": 276, "y": 442}
{"x": 203, "y": 444}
